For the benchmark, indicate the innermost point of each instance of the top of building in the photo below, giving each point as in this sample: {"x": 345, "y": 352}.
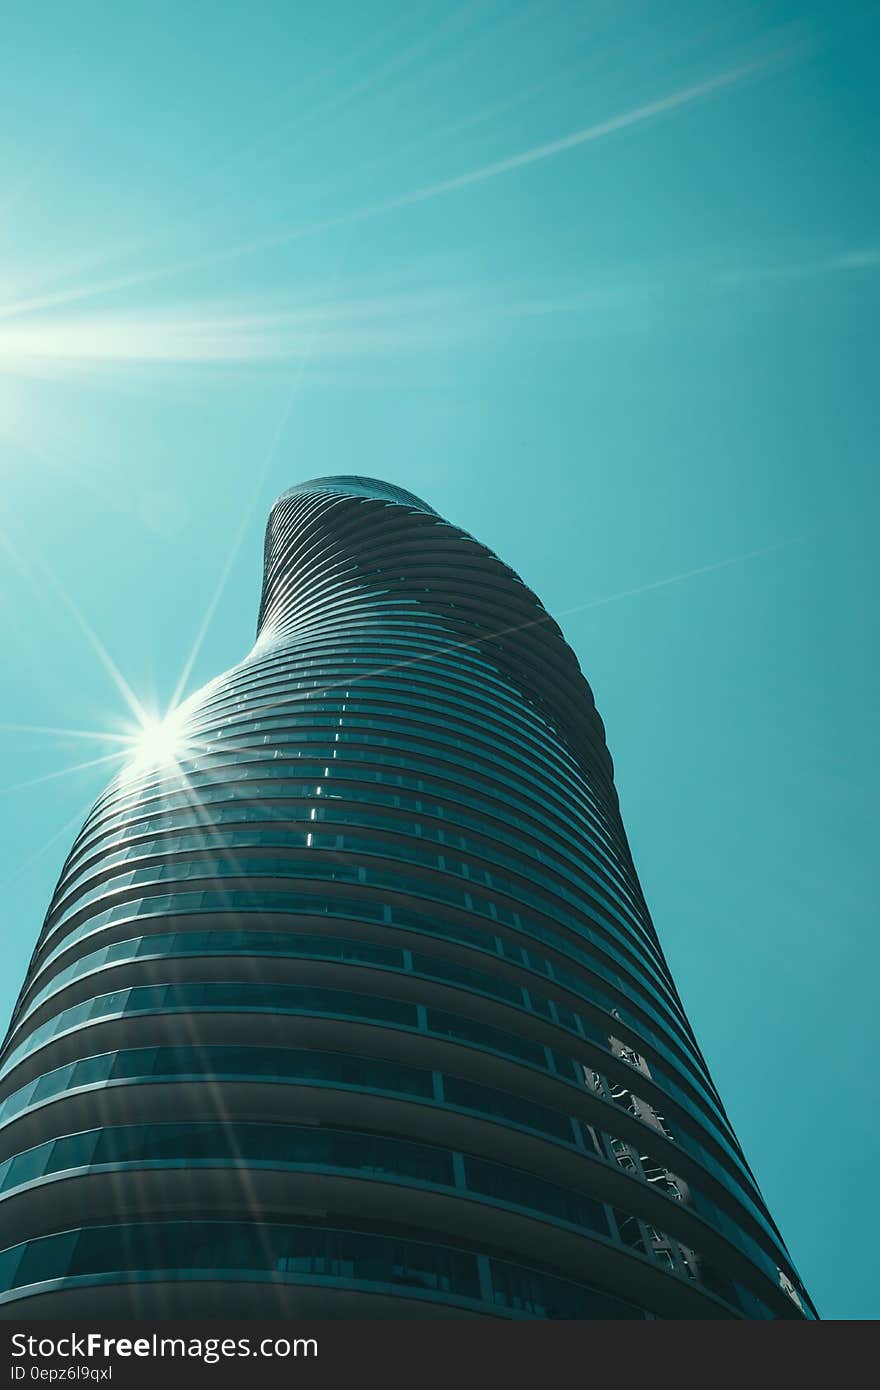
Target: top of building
{"x": 354, "y": 486}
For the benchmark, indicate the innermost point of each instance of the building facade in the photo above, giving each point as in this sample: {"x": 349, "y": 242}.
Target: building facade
{"x": 348, "y": 1002}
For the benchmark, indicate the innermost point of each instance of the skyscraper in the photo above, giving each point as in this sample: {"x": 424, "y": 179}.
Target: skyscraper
{"x": 348, "y": 1002}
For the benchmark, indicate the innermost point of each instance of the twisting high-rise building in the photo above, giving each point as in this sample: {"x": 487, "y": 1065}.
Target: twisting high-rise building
{"x": 348, "y": 1002}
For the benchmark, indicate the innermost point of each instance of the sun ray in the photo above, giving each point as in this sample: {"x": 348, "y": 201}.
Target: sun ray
{"x": 66, "y": 771}
{"x": 454, "y": 643}
{"x": 93, "y": 735}
{"x": 638, "y": 115}
{"x": 76, "y": 819}
{"x": 599, "y": 130}
{"x": 680, "y": 578}
{"x": 88, "y": 632}
{"x": 262, "y": 475}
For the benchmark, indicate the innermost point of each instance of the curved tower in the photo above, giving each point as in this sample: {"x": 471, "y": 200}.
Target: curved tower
{"x": 349, "y": 1004}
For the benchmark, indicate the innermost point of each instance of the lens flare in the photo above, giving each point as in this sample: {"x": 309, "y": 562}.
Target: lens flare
{"x": 157, "y": 742}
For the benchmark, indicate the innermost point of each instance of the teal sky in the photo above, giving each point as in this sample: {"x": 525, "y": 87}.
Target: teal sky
{"x": 597, "y": 280}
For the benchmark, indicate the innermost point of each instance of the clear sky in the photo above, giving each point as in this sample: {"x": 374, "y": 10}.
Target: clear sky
{"x": 597, "y": 280}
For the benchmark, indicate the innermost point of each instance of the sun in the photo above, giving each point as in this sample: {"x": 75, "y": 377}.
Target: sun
{"x": 157, "y": 742}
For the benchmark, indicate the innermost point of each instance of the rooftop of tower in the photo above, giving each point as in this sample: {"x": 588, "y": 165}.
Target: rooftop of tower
{"x": 356, "y": 486}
